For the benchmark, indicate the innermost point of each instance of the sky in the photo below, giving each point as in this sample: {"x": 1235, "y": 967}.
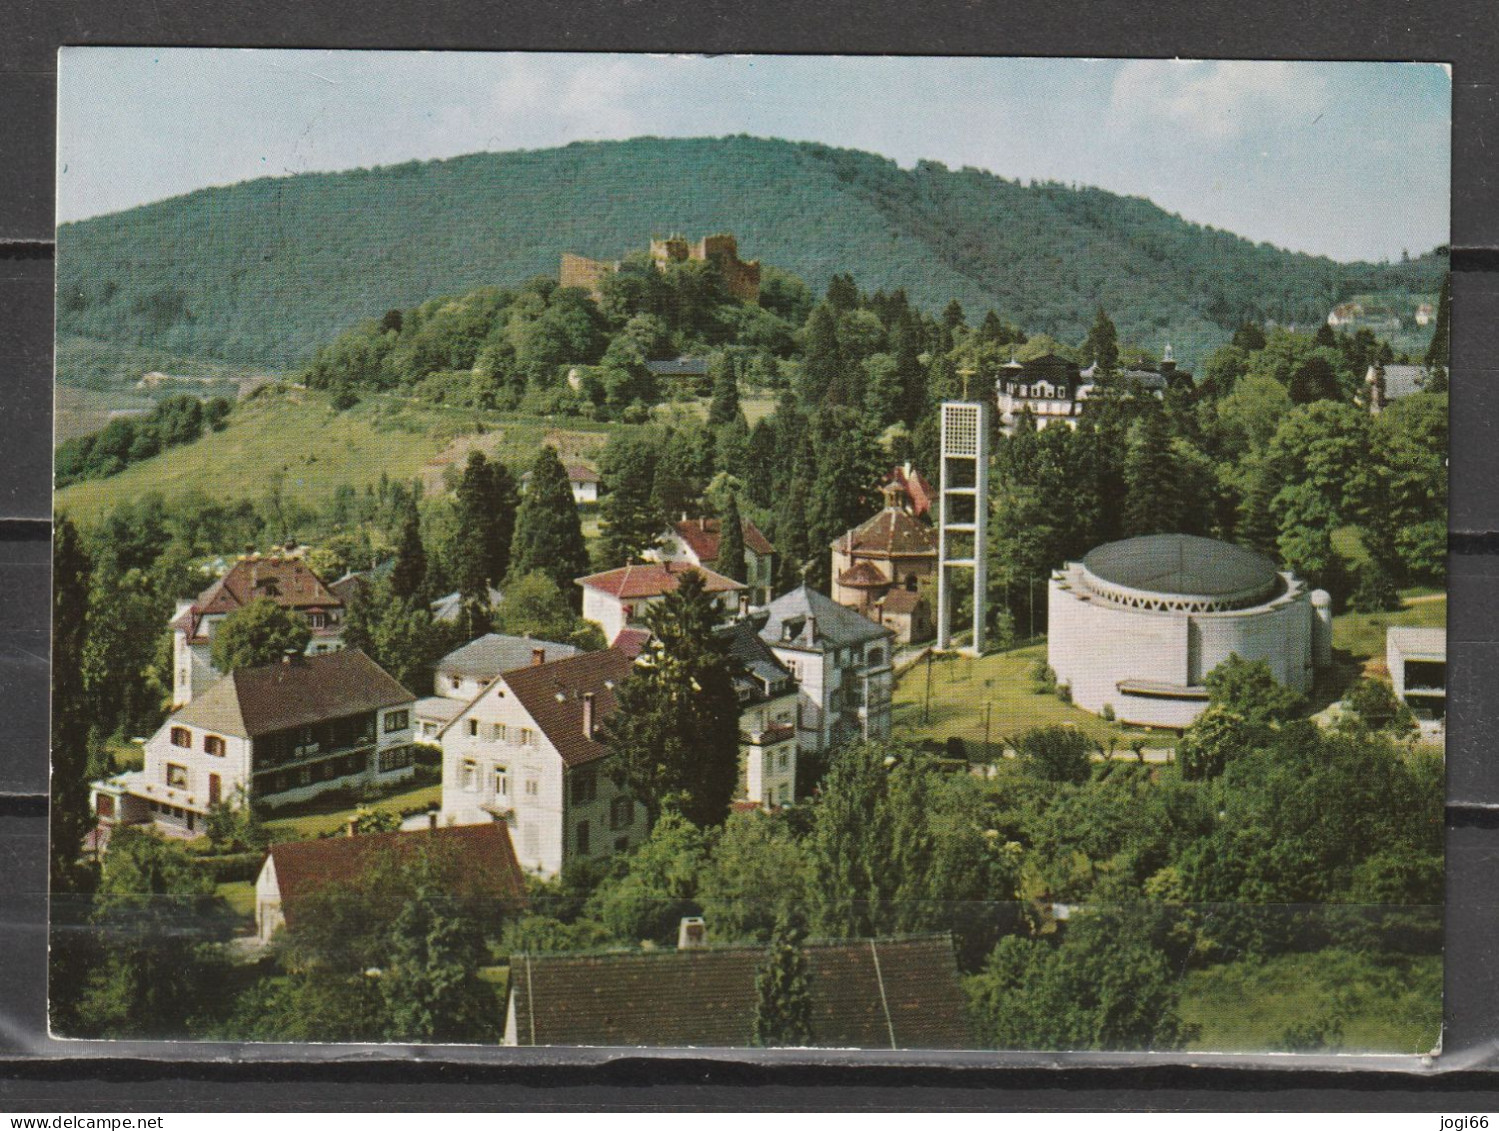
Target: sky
{"x": 1348, "y": 160}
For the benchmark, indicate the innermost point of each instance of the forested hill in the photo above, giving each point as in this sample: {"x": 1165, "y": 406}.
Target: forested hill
{"x": 264, "y": 271}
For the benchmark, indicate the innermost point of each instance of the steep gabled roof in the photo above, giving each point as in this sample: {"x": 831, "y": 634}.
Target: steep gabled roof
{"x": 652, "y": 579}
{"x": 758, "y": 667}
{"x": 287, "y": 581}
{"x": 580, "y": 473}
{"x": 896, "y": 993}
{"x": 836, "y": 626}
{"x": 478, "y": 861}
{"x": 553, "y": 695}
{"x": 630, "y": 641}
{"x": 893, "y": 532}
{"x": 299, "y": 692}
{"x": 494, "y": 653}
{"x": 702, "y": 536}
{"x": 918, "y": 490}
{"x": 447, "y": 608}
{"x": 900, "y": 602}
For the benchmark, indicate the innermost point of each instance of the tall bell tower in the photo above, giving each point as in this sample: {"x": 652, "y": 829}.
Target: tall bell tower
{"x": 963, "y": 516}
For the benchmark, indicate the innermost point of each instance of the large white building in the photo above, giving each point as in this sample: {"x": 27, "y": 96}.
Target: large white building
{"x": 526, "y": 751}
{"x": 841, "y": 661}
{"x": 1137, "y": 625}
{"x": 268, "y": 735}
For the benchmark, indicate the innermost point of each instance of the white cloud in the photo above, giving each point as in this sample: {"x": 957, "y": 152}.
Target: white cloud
{"x": 1218, "y": 101}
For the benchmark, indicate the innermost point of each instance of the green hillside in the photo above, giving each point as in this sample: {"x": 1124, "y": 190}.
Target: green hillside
{"x": 259, "y": 273}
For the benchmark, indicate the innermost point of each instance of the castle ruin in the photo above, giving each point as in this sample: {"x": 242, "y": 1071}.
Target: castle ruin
{"x": 741, "y": 279}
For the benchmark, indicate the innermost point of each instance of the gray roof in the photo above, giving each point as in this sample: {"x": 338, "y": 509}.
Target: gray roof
{"x": 445, "y": 609}
{"x": 759, "y": 668}
{"x": 836, "y": 626}
{"x": 1182, "y": 565}
{"x": 679, "y": 367}
{"x": 1403, "y": 380}
{"x": 440, "y": 708}
{"x": 492, "y": 654}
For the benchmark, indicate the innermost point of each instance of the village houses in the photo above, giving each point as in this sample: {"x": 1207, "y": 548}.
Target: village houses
{"x": 617, "y": 599}
{"x": 268, "y": 735}
{"x": 283, "y": 577}
{"x": 841, "y": 661}
{"x": 477, "y": 864}
{"x": 526, "y": 751}
{"x": 696, "y": 541}
{"x": 465, "y": 672}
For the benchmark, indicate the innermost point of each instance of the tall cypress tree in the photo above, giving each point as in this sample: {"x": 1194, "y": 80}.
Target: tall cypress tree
{"x": 1437, "y": 352}
{"x": 410, "y": 571}
{"x": 505, "y": 496}
{"x": 725, "y": 406}
{"x": 783, "y": 992}
{"x": 548, "y": 534}
{"x": 71, "y": 818}
{"x": 630, "y": 522}
{"x": 1153, "y": 493}
{"x": 822, "y": 356}
{"x": 1102, "y": 344}
{"x": 478, "y": 518}
{"x": 731, "y": 542}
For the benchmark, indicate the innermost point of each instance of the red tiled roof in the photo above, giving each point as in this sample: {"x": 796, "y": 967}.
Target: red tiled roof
{"x": 287, "y": 581}
{"x": 891, "y": 533}
{"x": 863, "y": 575}
{"x": 702, "y": 536}
{"x": 918, "y": 490}
{"x": 552, "y": 694}
{"x": 904, "y": 993}
{"x": 581, "y": 473}
{"x": 900, "y": 601}
{"x": 652, "y": 579}
{"x": 478, "y": 861}
{"x": 631, "y": 641}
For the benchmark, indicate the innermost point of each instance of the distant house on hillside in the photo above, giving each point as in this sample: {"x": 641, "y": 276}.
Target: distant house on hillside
{"x": 1054, "y": 390}
{"x": 283, "y": 732}
{"x": 618, "y": 598}
{"x": 464, "y": 672}
{"x": 1345, "y": 314}
{"x": 841, "y": 661}
{"x": 526, "y": 752}
{"x": 583, "y": 480}
{"x": 1425, "y": 314}
{"x": 1387, "y": 383}
{"x": 283, "y": 577}
{"x": 477, "y": 862}
{"x": 696, "y": 541}
{"x": 679, "y": 369}
{"x": 902, "y": 993}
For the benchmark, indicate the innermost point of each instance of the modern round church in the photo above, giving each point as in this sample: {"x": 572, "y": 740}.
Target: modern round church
{"x": 1137, "y": 625}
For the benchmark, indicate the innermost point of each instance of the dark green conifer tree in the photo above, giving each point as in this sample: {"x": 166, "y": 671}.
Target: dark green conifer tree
{"x": 548, "y": 533}
{"x": 410, "y": 571}
{"x": 731, "y": 542}
{"x": 783, "y": 994}
{"x": 725, "y": 406}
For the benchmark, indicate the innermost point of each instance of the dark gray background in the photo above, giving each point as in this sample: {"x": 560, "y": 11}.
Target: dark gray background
{"x": 38, "y": 1074}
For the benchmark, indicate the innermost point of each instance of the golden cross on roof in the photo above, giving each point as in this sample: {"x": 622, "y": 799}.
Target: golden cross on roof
{"x": 966, "y": 372}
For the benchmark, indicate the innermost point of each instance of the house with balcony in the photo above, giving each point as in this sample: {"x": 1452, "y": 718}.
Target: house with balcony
{"x": 767, "y": 719}
{"x": 841, "y": 661}
{"x": 465, "y": 672}
{"x": 267, "y": 736}
{"x": 526, "y": 751}
{"x": 617, "y": 599}
{"x": 283, "y": 577}
{"x": 696, "y": 541}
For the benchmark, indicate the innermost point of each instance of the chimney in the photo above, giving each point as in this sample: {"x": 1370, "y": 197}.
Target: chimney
{"x": 743, "y": 604}
{"x": 692, "y": 933}
{"x": 538, "y": 657}
{"x": 811, "y": 629}
{"x": 588, "y": 714}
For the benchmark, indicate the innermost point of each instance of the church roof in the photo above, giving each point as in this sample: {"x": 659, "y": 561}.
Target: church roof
{"x": 894, "y": 532}
{"x": 863, "y": 575}
{"x": 1181, "y": 565}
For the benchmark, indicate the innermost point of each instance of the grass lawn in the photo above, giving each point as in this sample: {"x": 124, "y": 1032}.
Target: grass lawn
{"x": 240, "y": 897}
{"x": 1393, "y": 1007}
{"x": 962, "y": 685}
{"x": 306, "y": 825}
{"x": 127, "y": 755}
{"x": 1362, "y": 635}
{"x": 295, "y": 434}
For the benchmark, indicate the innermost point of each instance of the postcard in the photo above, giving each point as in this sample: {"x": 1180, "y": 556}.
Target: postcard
{"x": 750, "y": 552}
